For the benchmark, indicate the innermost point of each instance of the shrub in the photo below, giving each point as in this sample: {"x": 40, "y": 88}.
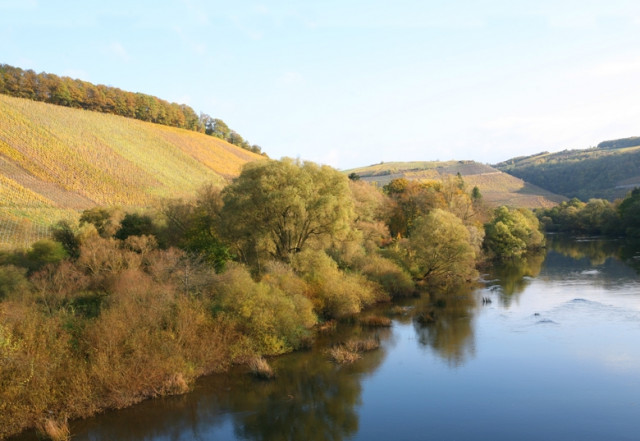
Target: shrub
{"x": 393, "y": 279}
{"x": 260, "y": 368}
{"x": 276, "y": 321}
{"x": 13, "y": 282}
{"x": 375, "y": 321}
{"x": 335, "y": 293}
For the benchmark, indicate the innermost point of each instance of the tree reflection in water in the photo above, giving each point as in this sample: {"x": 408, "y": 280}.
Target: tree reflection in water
{"x": 311, "y": 398}
{"x": 597, "y": 250}
{"x": 513, "y": 276}
{"x": 444, "y": 322}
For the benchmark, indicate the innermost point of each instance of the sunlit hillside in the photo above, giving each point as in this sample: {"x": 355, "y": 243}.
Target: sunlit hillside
{"x": 54, "y": 160}
{"x": 496, "y": 187}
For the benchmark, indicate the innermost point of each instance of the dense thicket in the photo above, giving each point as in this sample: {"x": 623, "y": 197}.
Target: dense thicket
{"x": 124, "y": 306}
{"x": 65, "y": 91}
{"x": 598, "y": 216}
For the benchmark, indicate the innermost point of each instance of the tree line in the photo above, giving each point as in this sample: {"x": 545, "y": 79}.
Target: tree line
{"x": 597, "y": 216}
{"x": 121, "y": 306}
{"x": 69, "y": 92}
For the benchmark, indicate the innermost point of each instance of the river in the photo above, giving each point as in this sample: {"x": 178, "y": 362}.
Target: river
{"x": 543, "y": 349}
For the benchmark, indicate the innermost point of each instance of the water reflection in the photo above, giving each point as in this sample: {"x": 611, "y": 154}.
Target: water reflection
{"x": 596, "y": 250}
{"x": 445, "y": 323}
{"x": 513, "y": 276}
{"x": 311, "y": 399}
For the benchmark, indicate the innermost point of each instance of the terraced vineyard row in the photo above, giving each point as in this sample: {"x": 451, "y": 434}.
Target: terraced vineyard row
{"x": 54, "y": 157}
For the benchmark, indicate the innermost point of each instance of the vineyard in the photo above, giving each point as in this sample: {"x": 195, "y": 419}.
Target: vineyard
{"x": 55, "y": 161}
{"x": 497, "y": 188}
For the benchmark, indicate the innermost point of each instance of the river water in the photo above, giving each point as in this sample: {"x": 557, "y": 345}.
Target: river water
{"x": 547, "y": 349}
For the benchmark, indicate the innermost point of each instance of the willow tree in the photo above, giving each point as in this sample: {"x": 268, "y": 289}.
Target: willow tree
{"x": 278, "y": 208}
{"x": 440, "y": 249}
{"x": 512, "y": 232}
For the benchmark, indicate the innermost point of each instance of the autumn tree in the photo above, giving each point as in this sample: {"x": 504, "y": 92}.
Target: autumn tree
{"x": 278, "y": 208}
{"x": 440, "y": 249}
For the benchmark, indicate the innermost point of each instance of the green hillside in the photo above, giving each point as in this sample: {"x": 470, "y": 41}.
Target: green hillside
{"x": 56, "y": 160}
{"x": 497, "y": 188}
{"x": 607, "y": 171}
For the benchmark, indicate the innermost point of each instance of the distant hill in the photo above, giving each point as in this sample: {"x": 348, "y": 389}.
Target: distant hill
{"x": 54, "y": 159}
{"x": 497, "y": 188}
{"x": 607, "y": 171}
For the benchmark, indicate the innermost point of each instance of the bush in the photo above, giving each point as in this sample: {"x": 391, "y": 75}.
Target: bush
{"x": 335, "y": 293}
{"x": 274, "y": 320}
{"x": 13, "y": 282}
{"x": 393, "y": 279}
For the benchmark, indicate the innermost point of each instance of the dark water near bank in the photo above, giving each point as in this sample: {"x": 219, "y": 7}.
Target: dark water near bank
{"x": 555, "y": 355}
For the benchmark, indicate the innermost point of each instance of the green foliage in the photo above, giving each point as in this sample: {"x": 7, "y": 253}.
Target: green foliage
{"x": 475, "y": 194}
{"x": 620, "y": 143}
{"x": 585, "y": 174}
{"x": 64, "y": 234}
{"x": 598, "y": 216}
{"x": 393, "y": 278}
{"x": 412, "y": 199}
{"x": 630, "y": 213}
{"x": 333, "y": 292}
{"x": 45, "y": 251}
{"x": 134, "y": 224}
{"x": 275, "y": 321}
{"x": 13, "y": 281}
{"x": 107, "y": 221}
{"x": 278, "y": 208}
{"x": 440, "y": 249}
{"x": 512, "y": 233}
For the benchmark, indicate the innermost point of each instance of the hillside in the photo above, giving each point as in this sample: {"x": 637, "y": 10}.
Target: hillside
{"x": 496, "y": 187}
{"x": 607, "y": 171}
{"x": 55, "y": 159}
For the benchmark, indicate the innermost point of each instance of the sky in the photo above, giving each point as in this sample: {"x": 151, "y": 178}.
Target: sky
{"x": 352, "y": 82}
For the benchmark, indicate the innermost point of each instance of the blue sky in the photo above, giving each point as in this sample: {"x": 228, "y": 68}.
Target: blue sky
{"x": 351, "y": 83}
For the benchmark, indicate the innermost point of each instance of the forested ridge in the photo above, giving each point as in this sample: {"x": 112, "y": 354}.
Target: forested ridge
{"x": 69, "y": 92}
{"x": 608, "y": 171}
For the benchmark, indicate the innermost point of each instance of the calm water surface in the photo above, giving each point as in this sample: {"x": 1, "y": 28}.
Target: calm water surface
{"x": 555, "y": 355}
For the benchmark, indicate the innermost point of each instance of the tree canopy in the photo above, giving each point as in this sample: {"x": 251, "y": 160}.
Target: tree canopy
{"x": 278, "y": 207}
{"x": 512, "y": 232}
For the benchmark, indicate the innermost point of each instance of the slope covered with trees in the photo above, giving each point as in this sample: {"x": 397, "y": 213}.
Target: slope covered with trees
{"x": 54, "y": 159}
{"x": 69, "y": 92}
{"x": 607, "y": 171}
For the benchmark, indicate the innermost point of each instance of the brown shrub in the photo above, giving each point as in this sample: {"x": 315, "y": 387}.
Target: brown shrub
{"x": 341, "y": 355}
{"x": 260, "y": 368}
{"x": 375, "y": 321}
{"x": 363, "y": 345}
{"x": 55, "y": 430}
